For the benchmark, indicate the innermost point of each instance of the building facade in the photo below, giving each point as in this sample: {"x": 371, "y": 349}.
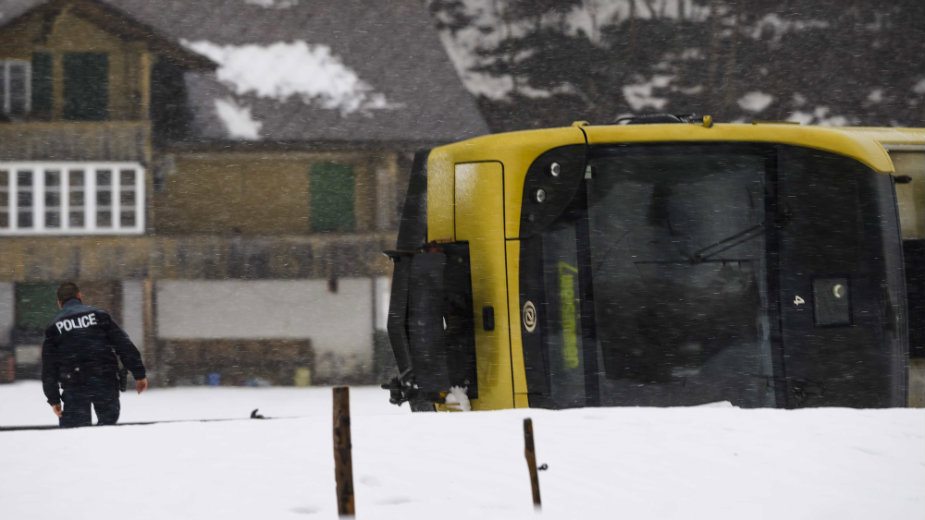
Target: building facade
{"x": 221, "y": 175}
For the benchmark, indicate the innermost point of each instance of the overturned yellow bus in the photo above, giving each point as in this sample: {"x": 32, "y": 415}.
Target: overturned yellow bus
{"x": 667, "y": 261}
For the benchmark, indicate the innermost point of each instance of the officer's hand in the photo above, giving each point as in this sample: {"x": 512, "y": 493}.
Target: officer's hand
{"x": 141, "y": 385}
{"x": 57, "y": 409}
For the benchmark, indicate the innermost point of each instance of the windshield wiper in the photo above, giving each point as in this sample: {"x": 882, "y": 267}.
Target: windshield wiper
{"x": 727, "y": 243}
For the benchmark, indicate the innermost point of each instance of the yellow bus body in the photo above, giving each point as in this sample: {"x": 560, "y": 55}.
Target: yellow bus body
{"x": 475, "y": 190}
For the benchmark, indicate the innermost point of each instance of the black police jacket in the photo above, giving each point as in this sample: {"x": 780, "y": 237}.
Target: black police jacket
{"x": 81, "y": 346}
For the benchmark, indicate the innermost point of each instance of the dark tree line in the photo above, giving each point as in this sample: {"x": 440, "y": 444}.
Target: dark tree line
{"x": 817, "y": 61}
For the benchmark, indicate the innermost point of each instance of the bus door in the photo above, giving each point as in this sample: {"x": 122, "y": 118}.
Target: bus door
{"x": 479, "y": 220}
{"x": 560, "y": 358}
{"x": 840, "y": 279}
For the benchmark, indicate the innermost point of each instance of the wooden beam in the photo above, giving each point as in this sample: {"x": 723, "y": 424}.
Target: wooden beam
{"x": 144, "y": 85}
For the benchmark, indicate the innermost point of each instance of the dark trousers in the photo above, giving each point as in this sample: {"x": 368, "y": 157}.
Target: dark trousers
{"x": 103, "y": 395}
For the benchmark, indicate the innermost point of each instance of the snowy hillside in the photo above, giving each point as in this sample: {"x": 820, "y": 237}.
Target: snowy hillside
{"x": 707, "y": 462}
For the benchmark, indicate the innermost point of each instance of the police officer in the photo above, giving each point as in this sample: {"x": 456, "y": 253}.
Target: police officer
{"x": 80, "y": 353}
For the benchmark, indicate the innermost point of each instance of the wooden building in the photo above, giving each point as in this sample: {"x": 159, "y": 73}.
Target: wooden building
{"x": 221, "y": 174}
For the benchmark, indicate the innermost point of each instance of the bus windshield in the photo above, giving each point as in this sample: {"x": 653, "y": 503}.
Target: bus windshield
{"x": 677, "y": 251}
{"x": 682, "y": 274}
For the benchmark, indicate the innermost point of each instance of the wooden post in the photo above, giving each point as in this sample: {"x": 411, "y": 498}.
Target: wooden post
{"x": 343, "y": 460}
{"x": 530, "y": 454}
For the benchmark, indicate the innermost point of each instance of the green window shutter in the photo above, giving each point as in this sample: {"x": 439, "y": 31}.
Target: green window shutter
{"x": 331, "y": 188}
{"x": 41, "y": 84}
{"x": 35, "y": 305}
{"x": 86, "y": 86}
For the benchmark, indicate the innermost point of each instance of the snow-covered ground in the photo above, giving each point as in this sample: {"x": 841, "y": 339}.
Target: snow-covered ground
{"x": 707, "y": 462}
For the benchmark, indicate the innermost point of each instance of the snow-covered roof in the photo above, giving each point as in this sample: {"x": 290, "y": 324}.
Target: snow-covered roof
{"x": 310, "y": 70}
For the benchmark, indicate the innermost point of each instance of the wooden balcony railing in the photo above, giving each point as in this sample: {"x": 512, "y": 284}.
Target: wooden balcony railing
{"x": 75, "y": 141}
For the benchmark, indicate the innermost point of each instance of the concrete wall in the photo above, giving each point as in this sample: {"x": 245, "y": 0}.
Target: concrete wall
{"x": 383, "y": 295}
{"x": 339, "y": 324}
{"x": 911, "y": 196}
{"x": 917, "y": 383}
{"x": 133, "y": 305}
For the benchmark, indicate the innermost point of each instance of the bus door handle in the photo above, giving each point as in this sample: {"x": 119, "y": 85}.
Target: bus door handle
{"x": 488, "y": 318}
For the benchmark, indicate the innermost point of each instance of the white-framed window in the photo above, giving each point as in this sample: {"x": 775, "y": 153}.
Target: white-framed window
{"x": 71, "y": 198}
{"x": 15, "y": 87}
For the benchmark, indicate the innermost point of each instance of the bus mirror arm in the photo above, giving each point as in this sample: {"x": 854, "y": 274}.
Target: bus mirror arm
{"x": 416, "y": 328}
{"x": 397, "y": 324}
{"x": 400, "y": 388}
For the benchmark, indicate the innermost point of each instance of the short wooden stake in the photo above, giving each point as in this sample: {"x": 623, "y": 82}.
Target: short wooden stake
{"x": 530, "y": 454}
{"x": 343, "y": 460}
